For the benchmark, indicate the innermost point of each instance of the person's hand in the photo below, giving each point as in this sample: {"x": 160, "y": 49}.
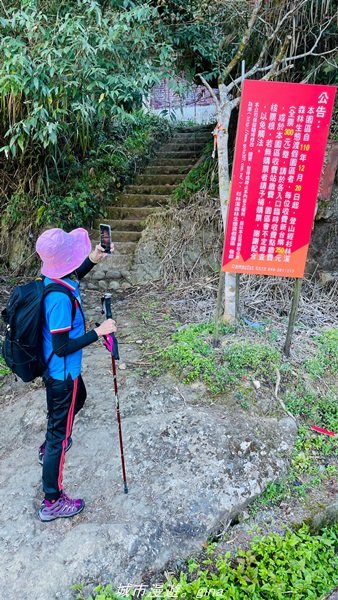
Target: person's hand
{"x": 108, "y": 342}
{"x": 99, "y": 254}
{"x": 107, "y": 327}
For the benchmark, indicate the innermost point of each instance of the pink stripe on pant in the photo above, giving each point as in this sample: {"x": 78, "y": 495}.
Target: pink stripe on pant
{"x": 70, "y": 419}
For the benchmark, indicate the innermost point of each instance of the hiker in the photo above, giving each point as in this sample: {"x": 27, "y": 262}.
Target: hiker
{"x": 66, "y": 258}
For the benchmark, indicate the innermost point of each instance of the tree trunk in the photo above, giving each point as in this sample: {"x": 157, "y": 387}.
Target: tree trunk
{"x": 223, "y": 117}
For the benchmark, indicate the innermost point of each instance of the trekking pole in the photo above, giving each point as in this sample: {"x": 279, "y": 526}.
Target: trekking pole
{"x": 107, "y": 310}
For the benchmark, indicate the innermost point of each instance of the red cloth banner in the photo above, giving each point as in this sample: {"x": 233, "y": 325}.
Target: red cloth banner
{"x": 280, "y": 145}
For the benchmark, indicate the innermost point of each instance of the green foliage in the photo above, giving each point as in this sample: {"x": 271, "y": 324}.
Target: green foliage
{"x": 127, "y": 143}
{"x": 205, "y": 176}
{"x": 299, "y": 565}
{"x": 326, "y": 360}
{"x": 192, "y": 355}
{"x": 4, "y": 370}
{"x": 68, "y": 72}
{"x": 257, "y": 358}
{"x": 100, "y": 592}
{"x": 277, "y": 491}
{"x": 19, "y": 208}
{"x": 74, "y": 200}
{"x": 73, "y": 210}
{"x": 207, "y": 37}
{"x": 60, "y": 73}
{"x": 312, "y": 452}
{"x": 316, "y": 408}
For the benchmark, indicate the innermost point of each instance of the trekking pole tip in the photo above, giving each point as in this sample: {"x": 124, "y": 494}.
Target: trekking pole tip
{"x": 125, "y": 488}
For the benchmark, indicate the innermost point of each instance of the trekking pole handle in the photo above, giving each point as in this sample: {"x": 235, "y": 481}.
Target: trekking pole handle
{"x": 107, "y": 311}
{"x": 106, "y": 306}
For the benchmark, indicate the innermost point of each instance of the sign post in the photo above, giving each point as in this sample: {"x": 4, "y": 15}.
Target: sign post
{"x": 280, "y": 146}
{"x": 293, "y": 314}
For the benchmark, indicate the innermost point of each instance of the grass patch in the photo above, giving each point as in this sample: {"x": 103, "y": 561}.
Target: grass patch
{"x": 326, "y": 359}
{"x": 309, "y": 391}
{"x": 4, "y": 370}
{"x": 192, "y": 355}
{"x": 299, "y": 565}
{"x": 202, "y": 177}
{"x": 302, "y": 564}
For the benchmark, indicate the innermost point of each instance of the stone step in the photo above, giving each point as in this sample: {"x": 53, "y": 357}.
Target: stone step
{"x": 172, "y": 162}
{"x": 201, "y": 137}
{"x": 104, "y": 274}
{"x": 125, "y": 236}
{"x": 121, "y": 248}
{"x": 192, "y": 156}
{"x": 142, "y": 200}
{"x": 190, "y": 146}
{"x": 112, "y": 265}
{"x": 152, "y": 190}
{"x": 195, "y": 130}
{"x": 159, "y": 179}
{"x": 188, "y": 143}
{"x": 167, "y": 169}
{"x": 124, "y": 247}
{"x": 122, "y": 224}
{"x": 129, "y": 212}
{"x": 196, "y": 126}
{"x": 123, "y": 261}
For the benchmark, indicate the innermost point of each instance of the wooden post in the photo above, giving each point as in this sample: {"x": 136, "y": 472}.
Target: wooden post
{"x": 237, "y": 308}
{"x": 293, "y": 314}
{"x": 219, "y": 304}
{"x": 238, "y": 276}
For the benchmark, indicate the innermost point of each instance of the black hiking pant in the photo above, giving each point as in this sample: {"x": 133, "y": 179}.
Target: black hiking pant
{"x": 64, "y": 400}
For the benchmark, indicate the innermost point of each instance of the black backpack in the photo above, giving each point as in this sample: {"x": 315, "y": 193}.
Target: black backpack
{"x": 23, "y": 316}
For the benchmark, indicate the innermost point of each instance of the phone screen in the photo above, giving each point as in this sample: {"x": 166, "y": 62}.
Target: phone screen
{"x": 105, "y": 237}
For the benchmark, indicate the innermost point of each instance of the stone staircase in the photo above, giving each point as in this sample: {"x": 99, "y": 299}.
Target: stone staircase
{"x": 149, "y": 192}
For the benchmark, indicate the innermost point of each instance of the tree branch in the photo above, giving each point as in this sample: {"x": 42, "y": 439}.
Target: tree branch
{"x": 256, "y": 66}
{"x": 257, "y": 69}
{"x": 243, "y": 43}
{"x": 209, "y": 88}
{"x": 280, "y": 56}
{"x": 295, "y": 8}
{"x": 4, "y": 8}
{"x": 310, "y": 52}
{"x": 252, "y": 70}
{"x": 235, "y": 102}
{"x": 326, "y": 52}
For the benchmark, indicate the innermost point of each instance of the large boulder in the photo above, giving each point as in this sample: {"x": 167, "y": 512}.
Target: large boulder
{"x": 191, "y": 468}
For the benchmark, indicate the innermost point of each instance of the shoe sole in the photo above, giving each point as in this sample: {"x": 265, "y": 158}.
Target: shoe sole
{"x": 45, "y": 519}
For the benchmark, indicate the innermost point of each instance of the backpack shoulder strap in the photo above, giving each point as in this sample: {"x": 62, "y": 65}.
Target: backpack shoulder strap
{"x": 57, "y": 287}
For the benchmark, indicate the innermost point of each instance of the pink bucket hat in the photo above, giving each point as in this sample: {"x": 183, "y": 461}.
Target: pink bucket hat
{"x": 61, "y": 253}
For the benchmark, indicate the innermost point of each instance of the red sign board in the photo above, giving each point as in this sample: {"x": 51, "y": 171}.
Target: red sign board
{"x": 280, "y": 146}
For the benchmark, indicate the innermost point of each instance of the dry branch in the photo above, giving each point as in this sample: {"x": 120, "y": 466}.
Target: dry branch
{"x": 244, "y": 41}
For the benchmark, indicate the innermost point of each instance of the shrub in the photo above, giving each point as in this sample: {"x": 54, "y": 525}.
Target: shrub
{"x": 298, "y": 566}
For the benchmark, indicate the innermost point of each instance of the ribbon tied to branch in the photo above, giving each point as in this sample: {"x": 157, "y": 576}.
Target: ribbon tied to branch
{"x": 217, "y": 131}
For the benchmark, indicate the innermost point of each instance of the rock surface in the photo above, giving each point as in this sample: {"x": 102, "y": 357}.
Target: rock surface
{"x": 190, "y": 467}
{"x": 333, "y": 595}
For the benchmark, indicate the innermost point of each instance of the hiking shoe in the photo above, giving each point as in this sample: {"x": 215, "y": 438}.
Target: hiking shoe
{"x": 42, "y": 449}
{"x": 64, "y": 507}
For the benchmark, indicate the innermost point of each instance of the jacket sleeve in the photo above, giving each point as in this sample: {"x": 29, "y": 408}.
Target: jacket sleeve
{"x": 63, "y": 345}
{"x": 83, "y": 269}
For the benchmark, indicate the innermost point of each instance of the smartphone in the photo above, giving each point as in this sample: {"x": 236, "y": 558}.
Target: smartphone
{"x": 105, "y": 237}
